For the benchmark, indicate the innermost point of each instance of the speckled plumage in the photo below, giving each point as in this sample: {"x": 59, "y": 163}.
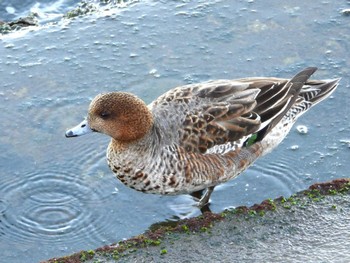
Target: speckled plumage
{"x": 197, "y": 136}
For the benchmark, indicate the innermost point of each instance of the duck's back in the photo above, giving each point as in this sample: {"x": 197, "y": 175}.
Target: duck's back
{"x": 219, "y": 116}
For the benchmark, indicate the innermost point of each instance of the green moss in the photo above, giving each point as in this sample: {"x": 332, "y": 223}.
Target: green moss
{"x": 151, "y": 242}
{"x": 287, "y": 206}
{"x": 272, "y": 203}
{"x": 292, "y": 201}
{"x": 132, "y": 250}
{"x": 345, "y": 188}
{"x": 314, "y": 193}
{"x": 252, "y": 212}
{"x": 116, "y": 255}
{"x": 203, "y": 229}
{"x": 185, "y": 228}
{"x": 163, "y": 251}
{"x": 223, "y": 214}
{"x": 332, "y": 192}
{"x": 261, "y": 213}
{"x": 287, "y": 203}
{"x": 239, "y": 210}
{"x": 86, "y": 255}
{"x": 83, "y": 9}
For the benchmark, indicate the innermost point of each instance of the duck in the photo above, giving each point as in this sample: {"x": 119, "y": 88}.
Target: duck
{"x": 197, "y": 136}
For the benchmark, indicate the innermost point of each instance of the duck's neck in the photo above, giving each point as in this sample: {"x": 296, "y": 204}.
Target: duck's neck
{"x": 149, "y": 141}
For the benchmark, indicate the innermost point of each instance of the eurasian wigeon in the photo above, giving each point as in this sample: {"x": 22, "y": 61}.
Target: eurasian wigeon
{"x": 197, "y": 136}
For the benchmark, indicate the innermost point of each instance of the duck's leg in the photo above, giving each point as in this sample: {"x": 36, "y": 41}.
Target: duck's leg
{"x": 203, "y": 198}
{"x": 197, "y": 195}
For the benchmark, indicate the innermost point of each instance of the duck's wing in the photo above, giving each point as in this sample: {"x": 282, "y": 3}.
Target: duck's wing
{"x": 227, "y": 111}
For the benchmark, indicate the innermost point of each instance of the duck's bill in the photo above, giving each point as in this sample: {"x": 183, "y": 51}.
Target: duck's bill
{"x": 81, "y": 129}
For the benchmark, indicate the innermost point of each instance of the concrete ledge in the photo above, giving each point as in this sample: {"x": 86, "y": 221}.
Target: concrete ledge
{"x": 310, "y": 226}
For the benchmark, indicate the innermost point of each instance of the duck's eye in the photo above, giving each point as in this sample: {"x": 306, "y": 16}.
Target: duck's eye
{"x": 105, "y": 115}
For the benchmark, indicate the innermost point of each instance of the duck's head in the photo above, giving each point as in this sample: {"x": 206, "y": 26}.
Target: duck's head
{"x": 121, "y": 115}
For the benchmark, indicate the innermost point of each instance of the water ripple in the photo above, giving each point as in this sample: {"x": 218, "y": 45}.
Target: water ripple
{"x": 280, "y": 174}
{"x": 49, "y": 205}
{"x": 3, "y": 206}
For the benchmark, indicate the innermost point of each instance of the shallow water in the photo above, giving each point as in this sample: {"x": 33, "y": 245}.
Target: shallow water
{"x": 58, "y": 196}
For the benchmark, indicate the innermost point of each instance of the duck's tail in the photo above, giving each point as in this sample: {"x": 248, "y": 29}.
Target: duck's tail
{"x": 312, "y": 92}
{"x": 307, "y": 93}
